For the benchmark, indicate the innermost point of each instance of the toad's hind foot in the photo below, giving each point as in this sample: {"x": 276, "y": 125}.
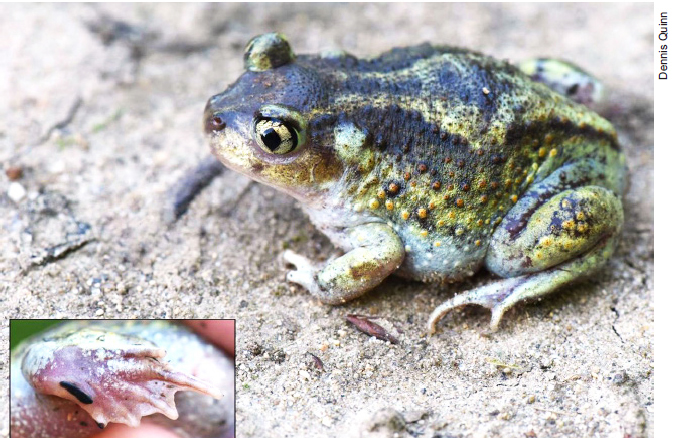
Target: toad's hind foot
{"x": 492, "y": 296}
{"x": 501, "y": 295}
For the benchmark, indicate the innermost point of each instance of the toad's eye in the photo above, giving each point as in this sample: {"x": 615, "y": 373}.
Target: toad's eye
{"x": 275, "y": 136}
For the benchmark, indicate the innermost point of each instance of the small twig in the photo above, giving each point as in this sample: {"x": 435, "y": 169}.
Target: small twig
{"x": 502, "y": 364}
{"x": 63, "y": 123}
{"x": 317, "y": 362}
{"x": 549, "y": 410}
{"x": 59, "y": 251}
{"x": 189, "y": 186}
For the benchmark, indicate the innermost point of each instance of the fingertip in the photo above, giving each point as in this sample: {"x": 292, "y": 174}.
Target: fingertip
{"x": 143, "y": 431}
{"x": 220, "y": 332}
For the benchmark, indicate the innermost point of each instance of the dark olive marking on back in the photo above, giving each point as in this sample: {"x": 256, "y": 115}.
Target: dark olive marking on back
{"x": 407, "y": 133}
{"x": 566, "y": 128}
{"x": 470, "y": 78}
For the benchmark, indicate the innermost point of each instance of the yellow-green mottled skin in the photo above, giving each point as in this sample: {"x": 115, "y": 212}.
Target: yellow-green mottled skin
{"x": 454, "y": 157}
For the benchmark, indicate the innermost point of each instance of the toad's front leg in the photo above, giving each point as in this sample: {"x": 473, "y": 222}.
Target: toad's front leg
{"x": 376, "y": 251}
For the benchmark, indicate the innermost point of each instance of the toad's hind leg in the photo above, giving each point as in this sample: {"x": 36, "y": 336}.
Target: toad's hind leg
{"x": 554, "y": 235}
{"x": 565, "y": 78}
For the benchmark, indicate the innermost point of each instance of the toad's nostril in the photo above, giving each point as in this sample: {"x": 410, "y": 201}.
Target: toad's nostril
{"x": 215, "y": 123}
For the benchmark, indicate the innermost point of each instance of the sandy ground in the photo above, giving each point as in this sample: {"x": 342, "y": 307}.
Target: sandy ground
{"x": 101, "y": 110}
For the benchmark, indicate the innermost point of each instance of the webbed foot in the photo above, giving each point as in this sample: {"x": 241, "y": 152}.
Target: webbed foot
{"x": 115, "y": 378}
{"x": 502, "y": 295}
{"x": 492, "y": 296}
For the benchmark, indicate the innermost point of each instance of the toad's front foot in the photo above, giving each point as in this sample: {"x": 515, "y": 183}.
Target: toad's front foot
{"x": 305, "y": 274}
{"x": 377, "y": 252}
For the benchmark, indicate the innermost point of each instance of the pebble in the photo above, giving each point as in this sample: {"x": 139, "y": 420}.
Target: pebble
{"x": 57, "y": 167}
{"x": 619, "y": 378}
{"x": 14, "y": 173}
{"x": 505, "y": 416}
{"x": 414, "y": 416}
{"x": 16, "y": 192}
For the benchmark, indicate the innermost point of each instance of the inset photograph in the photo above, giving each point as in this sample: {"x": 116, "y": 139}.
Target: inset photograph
{"x": 114, "y": 378}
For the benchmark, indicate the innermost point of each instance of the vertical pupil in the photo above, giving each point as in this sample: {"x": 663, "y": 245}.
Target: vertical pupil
{"x": 271, "y": 139}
